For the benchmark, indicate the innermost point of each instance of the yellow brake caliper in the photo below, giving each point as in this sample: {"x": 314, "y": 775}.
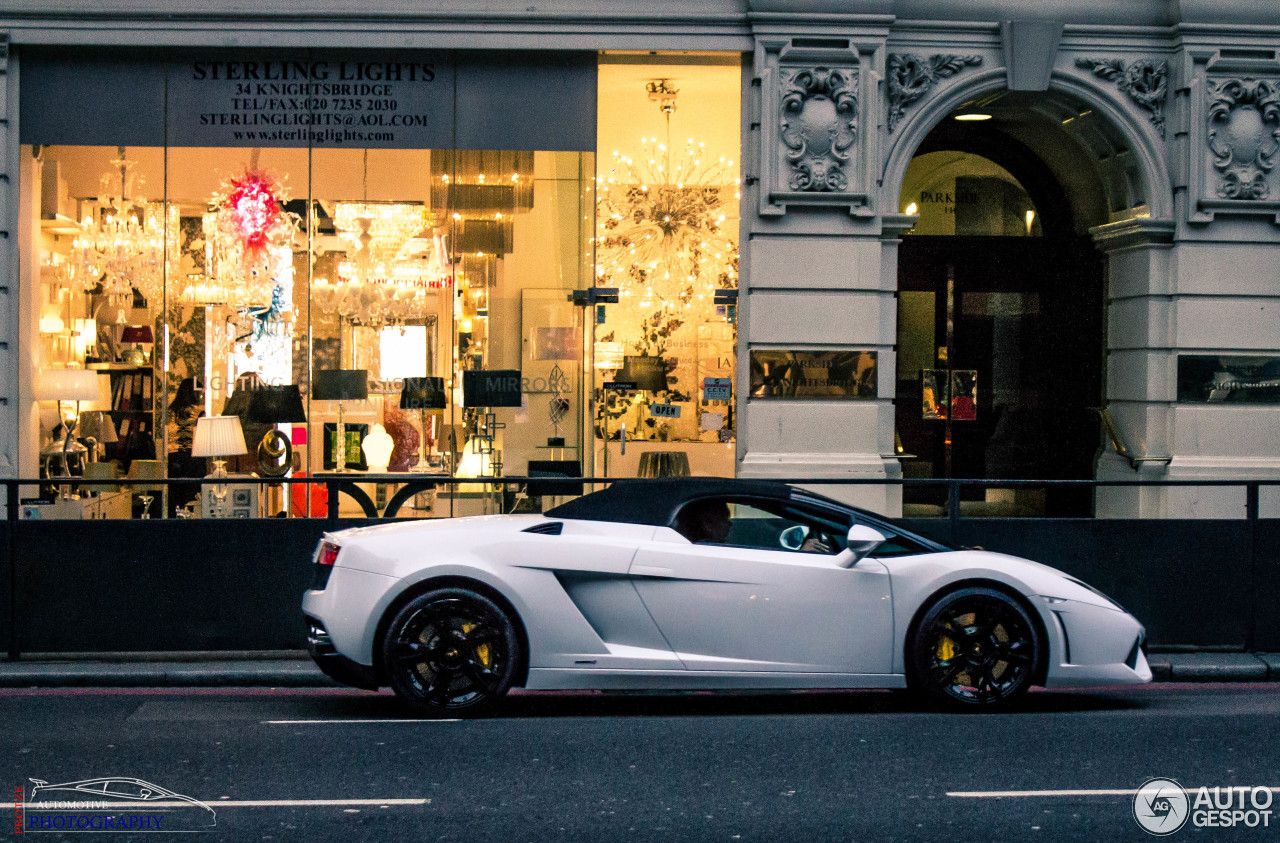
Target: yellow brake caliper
{"x": 483, "y": 652}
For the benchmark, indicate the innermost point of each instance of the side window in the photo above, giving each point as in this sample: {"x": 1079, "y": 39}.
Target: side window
{"x": 783, "y": 529}
{"x": 754, "y": 527}
{"x": 741, "y": 524}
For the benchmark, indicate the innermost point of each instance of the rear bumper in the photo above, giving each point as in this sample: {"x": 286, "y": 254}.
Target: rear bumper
{"x": 335, "y": 665}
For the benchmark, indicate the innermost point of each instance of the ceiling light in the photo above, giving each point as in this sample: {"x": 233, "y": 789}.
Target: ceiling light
{"x": 973, "y": 116}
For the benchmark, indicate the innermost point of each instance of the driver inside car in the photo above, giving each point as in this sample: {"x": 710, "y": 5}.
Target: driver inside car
{"x": 817, "y": 542}
{"x": 703, "y": 522}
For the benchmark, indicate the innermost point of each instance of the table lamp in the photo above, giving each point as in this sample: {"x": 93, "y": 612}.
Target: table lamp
{"x": 377, "y": 449}
{"x": 271, "y": 405}
{"x": 136, "y": 334}
{"x": 218, "y": 437}
{"x": 423, "y": 394}
{"x": 340, "y": 385}
{"x": 69, "y": 387}
{"x": 101, "y": 471}
{"x": 145, "y": 470}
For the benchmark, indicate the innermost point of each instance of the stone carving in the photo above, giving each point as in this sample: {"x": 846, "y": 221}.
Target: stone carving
{"x": 1244, "y": 135}
{"x": 819, "y": 124}
{"x": 911, "y": 77}
{"x": 1146, "y": 83}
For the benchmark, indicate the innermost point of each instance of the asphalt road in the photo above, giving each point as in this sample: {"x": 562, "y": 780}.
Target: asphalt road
{"x": 329, "y": 764}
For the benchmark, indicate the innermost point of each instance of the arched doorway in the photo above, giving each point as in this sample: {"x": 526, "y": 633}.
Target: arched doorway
{"x": 1001, "y": 328}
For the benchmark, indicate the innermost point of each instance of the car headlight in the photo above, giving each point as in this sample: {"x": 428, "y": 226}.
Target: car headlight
{"x": 1090, "y": 588}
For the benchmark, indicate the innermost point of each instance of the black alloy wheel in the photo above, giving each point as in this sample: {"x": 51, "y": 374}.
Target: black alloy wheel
{"x": 975, "y": 649}
{"x": 450, "y": 652}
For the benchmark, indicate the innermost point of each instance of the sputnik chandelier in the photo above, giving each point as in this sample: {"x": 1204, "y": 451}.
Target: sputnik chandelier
{"x": 123, "y": 245}
{"x": 661, "y": 234}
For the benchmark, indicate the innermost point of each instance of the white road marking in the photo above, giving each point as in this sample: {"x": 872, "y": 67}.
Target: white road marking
{"x": 248, "y": 803}
{"x": 337, "y": 722}
{"x": 1012, "y": 794}
{"x": 1019, "y": 794}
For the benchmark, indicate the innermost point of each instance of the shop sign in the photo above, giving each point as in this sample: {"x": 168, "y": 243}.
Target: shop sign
{"x": 716, "y": 389}
{"x": 358, "y": 101}
{"x": 1229, "y": 378}
{"x": 841, "y": 375}
{"x": 664, "y": 411}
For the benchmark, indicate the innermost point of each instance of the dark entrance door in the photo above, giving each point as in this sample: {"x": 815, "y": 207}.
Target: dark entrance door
{"x": 1026, "y": 324}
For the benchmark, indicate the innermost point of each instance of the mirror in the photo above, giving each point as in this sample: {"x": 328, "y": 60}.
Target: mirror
{"x": 793, "y": 538}
{"x": 863, "y": 541}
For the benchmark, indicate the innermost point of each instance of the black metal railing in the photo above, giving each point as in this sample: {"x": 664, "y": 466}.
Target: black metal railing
{"x": 235, "y": 584}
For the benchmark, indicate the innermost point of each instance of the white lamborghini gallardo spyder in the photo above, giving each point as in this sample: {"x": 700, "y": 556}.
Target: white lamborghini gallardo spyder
{"x": 700, "y": 584}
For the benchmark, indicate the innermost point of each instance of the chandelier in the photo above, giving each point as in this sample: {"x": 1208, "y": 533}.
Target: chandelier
{"x": 396, "y": 260}
{"x": 124, "y": 244}
{"x": 661, "y": 235}
{"x": 248, "y": 242}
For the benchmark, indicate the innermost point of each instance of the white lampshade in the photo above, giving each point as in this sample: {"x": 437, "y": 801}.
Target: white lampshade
{"x": 67, "y": 385}
{"x": 51, "y": 324}
{"x": 377, "y": 448}
{"x": 218, "y": 436}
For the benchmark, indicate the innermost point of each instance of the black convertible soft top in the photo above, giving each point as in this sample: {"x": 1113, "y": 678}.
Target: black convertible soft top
{"x": 657, "y": 501}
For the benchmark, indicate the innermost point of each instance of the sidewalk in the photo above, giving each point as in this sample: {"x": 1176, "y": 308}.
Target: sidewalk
{"x": 294, "y": 669}
{"x": 273, "y": 669}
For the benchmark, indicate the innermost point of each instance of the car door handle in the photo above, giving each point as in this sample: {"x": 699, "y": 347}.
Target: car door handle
{"x": 651, "y": 571}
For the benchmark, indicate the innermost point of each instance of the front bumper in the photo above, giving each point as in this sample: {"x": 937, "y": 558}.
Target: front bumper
{"x": 335, "y": 665}
{"x": 1100, "y": 646}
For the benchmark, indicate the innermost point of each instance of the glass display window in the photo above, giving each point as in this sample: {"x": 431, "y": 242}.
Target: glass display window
{"x": 667, "y": 240}
{"x": 410, "y": 290}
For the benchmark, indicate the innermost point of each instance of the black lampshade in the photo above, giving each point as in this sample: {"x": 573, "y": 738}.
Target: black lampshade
{"x": 648, "y": 372}
{"x": 423, "y": 394}
{"x": 278, "y": 404}
{"x": 340, "y": 385}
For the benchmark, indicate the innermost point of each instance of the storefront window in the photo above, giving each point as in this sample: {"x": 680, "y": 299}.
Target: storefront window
{"x": 667, "y": 241}
{"x": 416, "y": 301}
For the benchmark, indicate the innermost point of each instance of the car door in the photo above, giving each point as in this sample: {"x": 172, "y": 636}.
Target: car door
{"x": 730, "y": 607}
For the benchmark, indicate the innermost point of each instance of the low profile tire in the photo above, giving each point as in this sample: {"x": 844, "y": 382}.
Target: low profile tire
{"x": 975, "y": 649}
{"x": 451, "y": 652}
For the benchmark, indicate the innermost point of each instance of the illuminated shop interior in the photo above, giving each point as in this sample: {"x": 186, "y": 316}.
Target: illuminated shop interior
{"x": 337, "y": 301}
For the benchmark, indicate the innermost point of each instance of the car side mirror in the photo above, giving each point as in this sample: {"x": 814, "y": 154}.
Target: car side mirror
{"x": 862, "y": 542}
{"x": 793, "y": 538}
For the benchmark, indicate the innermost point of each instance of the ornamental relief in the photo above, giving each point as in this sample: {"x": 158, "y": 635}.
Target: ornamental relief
{"x": 1145, "y": 82}
{"x": 1244, "y": 135}
{"x": 819, "y": 125}
{"x": 911, "y": 77}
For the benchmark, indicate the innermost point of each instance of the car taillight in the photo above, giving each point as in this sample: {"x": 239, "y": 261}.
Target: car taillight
{"x": 328, "y": 554}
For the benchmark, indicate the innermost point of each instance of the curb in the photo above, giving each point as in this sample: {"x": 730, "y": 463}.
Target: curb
{"x": 290, "y": 673}
{"x": 1215, "y": 667}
